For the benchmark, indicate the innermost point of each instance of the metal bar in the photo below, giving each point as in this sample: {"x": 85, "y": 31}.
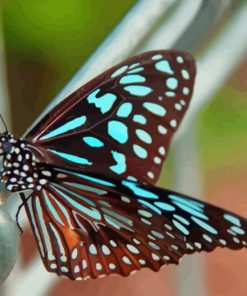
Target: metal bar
{"x": 4, "y": 98}
{"x": 188, "y": 278}
{"x": 168, "y": 34}
{"x": 187, "y": 171}
{"x": 9, "y": 236}
{"x": 221, "y": 59}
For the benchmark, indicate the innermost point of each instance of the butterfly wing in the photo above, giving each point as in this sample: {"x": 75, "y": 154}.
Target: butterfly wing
{"x": 89, "y": 225}
{"x": 121, "y": 119}
{"x": 83, "y": 232}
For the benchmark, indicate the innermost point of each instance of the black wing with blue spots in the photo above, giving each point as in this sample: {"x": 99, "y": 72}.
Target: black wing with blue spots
{"x": 120, "y": 123}
{"x": 89, "y": 226}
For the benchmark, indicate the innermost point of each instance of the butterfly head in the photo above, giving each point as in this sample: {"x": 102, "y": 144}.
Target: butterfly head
{"x": 6, "y": 143}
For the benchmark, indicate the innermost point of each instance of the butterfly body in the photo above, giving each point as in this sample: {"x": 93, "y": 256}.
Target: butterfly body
{"x": 20, "y": 165}
{"x": 91, "y": 163}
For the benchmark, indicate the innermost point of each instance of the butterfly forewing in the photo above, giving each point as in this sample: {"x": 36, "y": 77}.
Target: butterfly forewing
{"x": 89, "y": 225}
{"x": 121, "y": 122}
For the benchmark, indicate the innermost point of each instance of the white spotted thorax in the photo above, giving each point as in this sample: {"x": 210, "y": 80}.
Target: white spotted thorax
{"x": 19, "y": 165}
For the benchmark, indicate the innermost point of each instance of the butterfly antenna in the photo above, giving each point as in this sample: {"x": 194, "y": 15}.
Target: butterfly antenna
{"x": 6, "y": 129}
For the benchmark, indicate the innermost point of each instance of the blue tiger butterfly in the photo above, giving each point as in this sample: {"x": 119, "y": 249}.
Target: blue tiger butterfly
{"x": 91, "y": 163}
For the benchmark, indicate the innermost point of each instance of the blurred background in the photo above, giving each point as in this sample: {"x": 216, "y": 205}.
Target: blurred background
{"x": 45, "y": 43}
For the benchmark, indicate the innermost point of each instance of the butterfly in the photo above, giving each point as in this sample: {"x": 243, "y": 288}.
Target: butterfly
{"x": 91, "y": 164}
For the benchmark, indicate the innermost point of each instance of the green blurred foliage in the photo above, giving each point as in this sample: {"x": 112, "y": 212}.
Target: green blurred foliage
{"x": 221, "y": 134}
{"x": 223, "y": 130}
{"x": 64, "y": 32}
{"x": 47, "y": 41}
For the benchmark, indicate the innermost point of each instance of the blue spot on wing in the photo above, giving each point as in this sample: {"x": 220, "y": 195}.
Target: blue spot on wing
{"x": 134, "y": 65}
{"x": 140, "y": 151}
{"x": 140, "y": 191}
{"x": 205, "y": 225}
{"x": 124, "y": 110}
{"x": 150, "y": 206}
{"x": 157, "y": 57}
{"x": 127, "y": 79}
{"x": 238, "y": 230}
{"x": 144, "y": 136}
{"x": 185, "y": 74}
{"x": 165, "y": 206}
{"x": 104, "y": 103}
{"x": 186, "y": 91}
{"x": 234, "y": 220}
{"x": 172, "y": 83}
{"x": 136, "y": 70}
{"x": 112, "y": 221}
{"x": 93, "y": 142}
{"x": 191, "y": 203}
{"x": 164, "y": 66}
{"x": 118, "y": 131}
{"x": 120, "y": 166}
{"x": 170, "y": 94}
{"x": 138, "y": 90}
{"x": 155, "y": 108}
{"x": 72, "y": 124}
{"x": 181, "y": 219}
{"x": 140, "y": 119}
{"x": 190, "y": 210}
{"x": 119, "y": 71}
{"x": 71, "y": 157}
{"x": 180, "y": 227}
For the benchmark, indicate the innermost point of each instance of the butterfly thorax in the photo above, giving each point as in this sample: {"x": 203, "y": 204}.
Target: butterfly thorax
{"x": 19, "y": 165}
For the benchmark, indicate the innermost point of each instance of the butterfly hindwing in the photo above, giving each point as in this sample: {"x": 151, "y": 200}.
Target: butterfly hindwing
{"x": 81, "y": 234}
{"x": 121, "y": 119}
{"x": 87, "y": 225}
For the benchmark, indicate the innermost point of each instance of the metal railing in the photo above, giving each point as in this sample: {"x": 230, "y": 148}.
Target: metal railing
{"x": 189, "y": 25}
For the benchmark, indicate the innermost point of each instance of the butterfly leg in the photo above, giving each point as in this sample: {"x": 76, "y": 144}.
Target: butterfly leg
{"x": 24, "y": 200}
